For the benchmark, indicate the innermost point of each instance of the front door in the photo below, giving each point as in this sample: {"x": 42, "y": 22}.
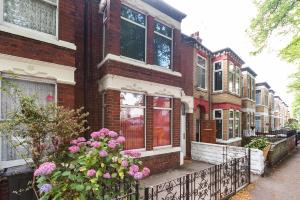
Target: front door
{"x": 182, "y": 135}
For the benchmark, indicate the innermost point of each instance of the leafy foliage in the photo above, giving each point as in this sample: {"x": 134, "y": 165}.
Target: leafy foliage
{"x": 258, "y": 143}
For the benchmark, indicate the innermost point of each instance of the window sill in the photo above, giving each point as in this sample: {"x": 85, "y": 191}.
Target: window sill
{"x": 13, "y": 163}
{"x": 33, "y": 35}
{"x": 201, "y": 89}
{"x": 138, "y": 64}
{"x": 160, "y": 150}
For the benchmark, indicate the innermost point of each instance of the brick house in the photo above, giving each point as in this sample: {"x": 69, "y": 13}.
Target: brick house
{"x": 134, "y": 79}
{"x": 262, "y": 107}
{"x": 271, "y": 110}
{"x": 248, "y": 100}
{"x": 281, "y": 113}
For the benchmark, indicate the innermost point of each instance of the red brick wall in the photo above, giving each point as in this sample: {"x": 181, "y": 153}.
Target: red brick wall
{"x": 162, "y": 162}
{"x": 65, "y": 95}
{"x": 67, "y": 20}
{"x": 149, "y": 123}
{"x": 176, "y": 122}
{"x": 189, "y": 133}
{"x": 112, "y": 110}
{"x": 4, "y": 192}
{"x": 113, "y": 26}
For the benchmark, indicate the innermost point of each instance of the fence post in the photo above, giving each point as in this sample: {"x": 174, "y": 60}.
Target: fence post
{"x": 249, "y": 165}
{"x": 235, "y": 174}
{"x": 137, "y": 192}
{"x": 146, "y": 193}
{"x": 187, "y": 186}
{"x": 216, "y": 182}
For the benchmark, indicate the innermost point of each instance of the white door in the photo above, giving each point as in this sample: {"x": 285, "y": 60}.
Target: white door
{"x": 182, "y": 135}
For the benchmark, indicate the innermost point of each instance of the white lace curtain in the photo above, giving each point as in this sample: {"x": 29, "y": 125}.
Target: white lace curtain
{"x": 39, "y": 15}
{"x": 44, "y": 92}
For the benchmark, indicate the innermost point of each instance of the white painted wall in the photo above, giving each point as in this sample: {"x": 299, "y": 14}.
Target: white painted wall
{"x": 215, "y": 154}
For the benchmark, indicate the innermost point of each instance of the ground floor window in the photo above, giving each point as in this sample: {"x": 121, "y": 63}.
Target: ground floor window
{"x": 162, "y": 115}
{"x": 132, "y": 119}
{"x": 237, "y": 124}
{"x": 257, "y": 123}
{"x": 231, "y": 124}
{"x": 218, "y": 116}
{"x": 234, "y": 124}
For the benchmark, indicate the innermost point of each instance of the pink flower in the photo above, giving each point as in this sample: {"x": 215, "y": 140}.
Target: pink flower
{"x": 45, "y": 169}
{"x": 82, "y": 144}
{"x": 95, "y": 135}
{"x": 74, "y": 149}
{"x": 132, "y": 153}
{"x": 74, "y": 142}
{"x": 146, "y": 171}
{"x": 89, "y": 142}
{"x": 138, "y": 176}
{"x": 104, "y": 131}
{"x": 134, "y": 168}
{"x": 95, "y": 144}
{"x": 81, "y": 139}
{"x": 112, "y": 134}
{"x": 120, "y": 139}
{"x": 91, "y": 173}
{"x": 124, "y": 163}
{"x": 103, "y": 153}
{"x": 106, "y": 175}
{"x": 131, "y": 173}
{"x": 112, "y": 144}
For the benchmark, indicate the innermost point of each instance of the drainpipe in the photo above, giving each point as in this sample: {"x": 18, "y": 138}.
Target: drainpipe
{"x": 210, "y": 78}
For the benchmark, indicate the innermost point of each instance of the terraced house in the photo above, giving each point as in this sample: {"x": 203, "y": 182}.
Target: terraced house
{"x": 262, "y": 107}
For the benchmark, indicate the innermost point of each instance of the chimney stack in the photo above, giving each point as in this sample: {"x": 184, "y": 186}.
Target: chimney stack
{"x": 196, "y": 36}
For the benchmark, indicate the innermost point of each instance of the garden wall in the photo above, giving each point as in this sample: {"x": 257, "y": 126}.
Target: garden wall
{"x": 217, "y": 154}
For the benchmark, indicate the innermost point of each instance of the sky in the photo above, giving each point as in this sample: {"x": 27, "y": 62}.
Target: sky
{"x": 223, "y": 23}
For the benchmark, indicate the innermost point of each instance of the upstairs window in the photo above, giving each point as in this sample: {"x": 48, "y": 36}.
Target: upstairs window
{"x": 201, "y": 72}
{"x": 218, "y": 76}
{"x": 37, "y": 15}
{"x": 163, "y": 39}
{"x": 234, "y": 79}
{"x": 133, "y": 34}
{"x": 231, "y": 78}
{"x": 237, "y": 81}
{"x": 258, "y": 97}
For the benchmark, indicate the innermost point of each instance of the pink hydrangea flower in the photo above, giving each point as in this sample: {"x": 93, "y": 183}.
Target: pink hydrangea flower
{"x": 112, "y": 134}
{"x": 74, "y": 142}
{"x": 132, "y": 153}
{"x": 112, "y": 144}
{"x": 45, "y": 169}
{"x": 89, "y": 142}
{"x": 138, "y": 176}
{"x": 95, "y": 144}
{"x": 131, "y": 173}
{"x": 91, "y": 173}
{"x": 106, "y": 175}
{"x": 74, "y": 149}
{"x": 95, "y": 135}
{"x": 104, "y": 131}
{"x": 134, "y": 168}
{"x": 146, "y": 171}
{"x": 81, "y": 139}
{"x": 82, "y": 144}
{"x": 103, "y": 153}
{"x": 120, "y": 139}
{"x": 124, "y": 163}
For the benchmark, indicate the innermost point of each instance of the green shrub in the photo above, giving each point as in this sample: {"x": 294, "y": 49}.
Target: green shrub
{"x": 258, "y": 143}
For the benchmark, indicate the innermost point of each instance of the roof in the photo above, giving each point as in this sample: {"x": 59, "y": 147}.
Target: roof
{"x": 167, "y": 9}
{"x": 228, "y": 50}
{"x": 278, "y": 97}
{"x": 272, "y": 91}
{"x": 195, "y": 43}
{"x": 248, "y": 69}
{"x": 263, "y": 84}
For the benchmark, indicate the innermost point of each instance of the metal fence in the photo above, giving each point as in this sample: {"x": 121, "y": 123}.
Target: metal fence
{"x": 215, "y": 183}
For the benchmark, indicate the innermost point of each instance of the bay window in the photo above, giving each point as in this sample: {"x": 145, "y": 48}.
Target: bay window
{"x": 234, "y": 79}
{"x": 218, "y": 76}
{"x": 163, "y": 39}
{"x": 201, "y": 72}
{"x": 258, "y": 97}
{"x": 237, "y": 81}
{"x": 218, "y": 116}
{"x": 132, "y": 119}
{"x": 237, "y": 122}
{"x": 43, "y": 90}
{"x": 133, "y": 33}
{"x": 37, "y": 15}
{"x": 162, "y": 115}
{"x": 231, "y": 78}
{"x": 231, "y": 124}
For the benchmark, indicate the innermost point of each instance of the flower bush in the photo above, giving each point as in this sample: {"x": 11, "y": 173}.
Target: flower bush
{"x": 91, "y": 169}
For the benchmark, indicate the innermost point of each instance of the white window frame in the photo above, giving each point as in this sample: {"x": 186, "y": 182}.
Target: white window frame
{"x": 239, "y": 123}
{"x": 145, "y": 116}
{"x": 169, "y": 38}
{"x": 233, "y": 124}
{"x": 23, "y": 30}
{"x": 258, "y": 104}
{"x": 221, "y": 118}
{"x": 214, "y": 70}
{"x": 231, "y": 71}
{"x": 205, "y": 69}
{"x": 145, "y": 27}
{"x": 237, "y": 75}
{"x": 171, "y": 118}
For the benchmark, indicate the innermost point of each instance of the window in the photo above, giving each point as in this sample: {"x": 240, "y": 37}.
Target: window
{"x": 133, "y": 33}
{"x": 257, "y": 123}
{"x": 234, "y": 79}
{"x": 44, "y": 92}
{"x": 105, "y": 32}
{"x": 231, "y": 78}
{"x": 218, "y": 116}
{"x": 258, "y": 97}
{"x": 163, "y": 38}
{"x": 162, "y": 115}
{"x": 237, "y": 81}
{"x": 237, "y": 124}
{"x": 250, "y": 87}
{"x": 201, "y": 72}
{"x": 231, "y": 124}
{"x": 218, "y": 76}
{"x": 266, "y": 99}
{"x": 132, "y": 119}
{"x": 253, "y": 89}
{"x": 37, "y": 15}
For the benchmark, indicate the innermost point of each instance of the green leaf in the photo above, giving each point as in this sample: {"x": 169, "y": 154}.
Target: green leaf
{"x": 66, "y": 173}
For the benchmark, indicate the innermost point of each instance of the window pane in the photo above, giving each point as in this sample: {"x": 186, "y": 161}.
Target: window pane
{"x": 163, "y": 102}
{"x": 218, "y": 114}
{"x": 218, "y": 80}
{"x": 230, "y": 129}
{"x": 218, "y": 66}
{"x": 219, "y": 128}
{"x": 162, "y": 51}
{"x": 201, "y": 61}
{"x": 163, "y": 29}
{"x": 202, "y": 78}
{"x": 131, "y": 99}
{"x": 162, "y": 127}
{"x": 230, "y": 81}
{"x": 32, "y": 14}
{"x": 258, "y": 96}
{"x": 132, "y": 41}
{"x": 132, "y": 127}
{"x": 133, "y": 15}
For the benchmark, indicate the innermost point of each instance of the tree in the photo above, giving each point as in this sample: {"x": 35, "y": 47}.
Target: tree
{"x": 279, "y": 18}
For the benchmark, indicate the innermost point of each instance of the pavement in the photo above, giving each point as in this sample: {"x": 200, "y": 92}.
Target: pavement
{"x": 279, "y": 183}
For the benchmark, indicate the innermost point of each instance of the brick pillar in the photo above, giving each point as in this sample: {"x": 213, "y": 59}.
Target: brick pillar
{"x": 112, "y": 110}
{"x": 113, "y": 26}
{"x": 150, "y": 39}
{"x": 176, "y": 122}
{"x": 189, "y": 133}
{"x": 149, "y": 123}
